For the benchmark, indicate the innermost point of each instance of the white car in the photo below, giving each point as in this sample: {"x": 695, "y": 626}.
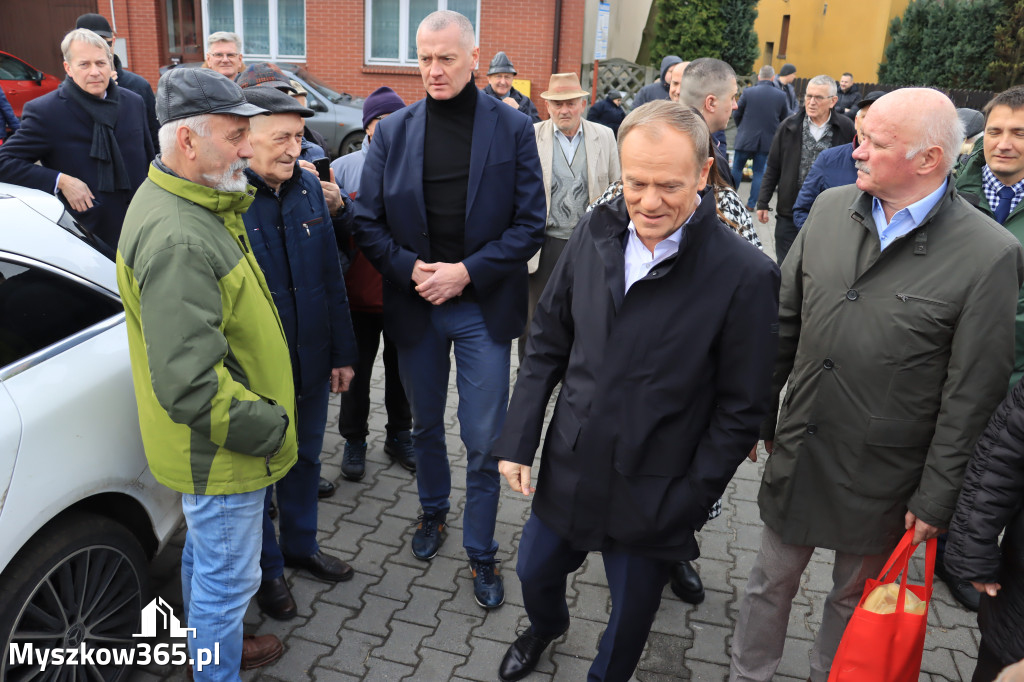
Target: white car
{"x": 80, "y": 512}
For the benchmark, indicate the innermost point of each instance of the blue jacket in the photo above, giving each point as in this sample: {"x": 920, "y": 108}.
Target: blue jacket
{"x": 505, "y": 215}
{"x": 58, "y": 133}
{"x": 761, "y": 109}
{"x": 607, "y": 113}
{"x": 293, "y": 240}
{"x": 833, "y": 168}
{"x": 141, "y": 87}
{"x": 7, "y": 117}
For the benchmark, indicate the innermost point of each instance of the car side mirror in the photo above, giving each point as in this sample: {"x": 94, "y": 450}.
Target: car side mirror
{"x": 315, "y": 104}
{"x": 38, "y": 78}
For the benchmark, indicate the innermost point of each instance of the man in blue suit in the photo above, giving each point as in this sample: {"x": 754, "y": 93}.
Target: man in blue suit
{"x": 761, "y": 109}
{"x": 91, "y": 137}
{"x": 450, "y": 208}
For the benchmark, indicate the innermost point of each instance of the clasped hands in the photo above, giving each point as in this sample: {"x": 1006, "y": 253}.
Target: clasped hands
{"x": 439, "y": 282}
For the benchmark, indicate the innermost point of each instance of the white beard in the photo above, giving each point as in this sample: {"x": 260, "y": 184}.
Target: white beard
{"x": 231, "y": 180}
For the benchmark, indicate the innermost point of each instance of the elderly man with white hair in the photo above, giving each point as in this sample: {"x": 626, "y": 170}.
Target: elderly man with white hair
{"x": 896, "y": 338}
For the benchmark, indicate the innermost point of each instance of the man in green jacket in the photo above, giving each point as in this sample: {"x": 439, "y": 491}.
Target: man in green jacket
{"x": 994, "y": 174}
{"x": 210, "y": 362}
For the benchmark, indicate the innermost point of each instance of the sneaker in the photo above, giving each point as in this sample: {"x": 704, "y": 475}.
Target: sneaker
{"x": 429, "y": 535}
{"x": 398, "y": 447}
{"x": 353, "y": 461}
{"x": 488, "y": 585}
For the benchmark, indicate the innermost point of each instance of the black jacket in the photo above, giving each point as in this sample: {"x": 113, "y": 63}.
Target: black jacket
{"x": 783, "y": 169}
{"x": 526, "y": 105}
{"x": 663, "y": 387}
{"x": 606, "y": 112}
{"x": 140, "y": 86}
{"x": 847, "y": 101}
{"x": 761, "y": 109}
{"x": 991, "y": 500}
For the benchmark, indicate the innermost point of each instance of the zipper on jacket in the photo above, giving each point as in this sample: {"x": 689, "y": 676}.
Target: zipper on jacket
{"x": 268, "y": 465}
{"x": 241, "y": 241}
{"x": 910, "y": 297}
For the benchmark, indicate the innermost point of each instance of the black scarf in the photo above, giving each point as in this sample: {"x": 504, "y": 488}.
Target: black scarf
{"x": 111, "y": 173}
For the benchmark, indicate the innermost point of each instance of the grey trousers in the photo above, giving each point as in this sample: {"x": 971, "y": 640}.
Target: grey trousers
{"x": 760, "y": 634}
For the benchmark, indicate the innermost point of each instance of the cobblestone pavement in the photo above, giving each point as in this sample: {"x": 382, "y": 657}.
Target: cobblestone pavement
{"x": 401, "y": 618}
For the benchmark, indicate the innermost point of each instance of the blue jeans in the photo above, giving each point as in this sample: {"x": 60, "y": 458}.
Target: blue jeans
{"x": 739, "y": 160}
{"x": 297, "y": 491}
{"x": 220, "y": 572}
{"x": 482, "y": 374}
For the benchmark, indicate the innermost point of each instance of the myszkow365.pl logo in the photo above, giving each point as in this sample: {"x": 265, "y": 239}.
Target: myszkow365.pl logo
{"x": 157, "y": 618}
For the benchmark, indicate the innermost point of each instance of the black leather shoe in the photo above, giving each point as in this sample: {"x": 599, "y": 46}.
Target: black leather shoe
{"x": 522, "y": 657}
{"x": 399, "y": 448}
{"x": 686, "y": 583}
{"x": 962, "y": 590}
{"x": 324, "y": 489}
{"x": 322, "y": 566}
{"x": 275, "y": 599}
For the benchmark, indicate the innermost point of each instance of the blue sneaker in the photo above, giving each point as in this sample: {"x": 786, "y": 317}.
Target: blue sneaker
{"x": 353, "y": 461}
{"x": 488, "y": 585}
{"x": 429, "y": 535}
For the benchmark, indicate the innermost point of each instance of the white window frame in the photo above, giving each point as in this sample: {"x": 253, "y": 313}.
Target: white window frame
{"x": 273, "y": 56}
{"x": 403, "y": 34}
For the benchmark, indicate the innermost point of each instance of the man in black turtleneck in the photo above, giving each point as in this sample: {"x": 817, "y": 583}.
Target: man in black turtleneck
{"x": 450, "y": 208}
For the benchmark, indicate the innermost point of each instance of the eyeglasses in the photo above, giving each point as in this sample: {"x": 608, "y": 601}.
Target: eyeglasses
{"x": 817, "y": 98}
{"x": 223, "y": 55}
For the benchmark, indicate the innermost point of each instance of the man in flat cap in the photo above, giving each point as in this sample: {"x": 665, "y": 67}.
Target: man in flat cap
{"x": 209, "y": 355}
{"x": 499, "y": 85}
{"x": 292, "y": 237}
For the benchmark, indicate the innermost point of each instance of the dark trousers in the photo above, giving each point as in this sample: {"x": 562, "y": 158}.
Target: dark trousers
{"x": 989, "y": 666}
{"x": 355, "y": 403}
{"x": 297, "y": 491}
{"x": 636, "y": 583}
{"x": 549, "y": 254}
{"x": 785, "y": 234}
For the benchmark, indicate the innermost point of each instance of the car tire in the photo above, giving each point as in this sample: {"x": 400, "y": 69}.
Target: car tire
{"x": 352, "y": 143}
{"x": 81, "y": 579}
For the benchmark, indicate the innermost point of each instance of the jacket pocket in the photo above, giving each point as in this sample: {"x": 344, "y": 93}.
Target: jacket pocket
{"x": 890, "y": 465}
{"x": 900, "y": 433}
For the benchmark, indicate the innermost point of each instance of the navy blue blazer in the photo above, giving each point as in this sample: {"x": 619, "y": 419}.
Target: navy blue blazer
{"x": 761, "y": 109}
{"x": 57, "y": 132}
{"x": 505, "y": 214}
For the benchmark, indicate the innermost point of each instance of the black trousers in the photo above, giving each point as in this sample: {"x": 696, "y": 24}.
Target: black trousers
{"x": 355, "y": 403}
{"x": 785, "y": 234}
{"x": 636, "y": 583}
{"x": 549, "y": 254}
{"x": 989, "y": 666}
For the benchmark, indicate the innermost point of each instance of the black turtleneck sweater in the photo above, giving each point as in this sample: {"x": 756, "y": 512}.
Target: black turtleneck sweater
{"x": 446, "y": 150}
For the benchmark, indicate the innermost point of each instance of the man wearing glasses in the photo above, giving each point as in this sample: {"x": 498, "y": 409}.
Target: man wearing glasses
{"x": 224, "y": 54}
{"x": 797, "y": 143}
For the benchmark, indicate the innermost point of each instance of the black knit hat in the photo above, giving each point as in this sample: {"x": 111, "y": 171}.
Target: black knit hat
{"x": 381, "y": 101}
{"x": 787, "y": 69}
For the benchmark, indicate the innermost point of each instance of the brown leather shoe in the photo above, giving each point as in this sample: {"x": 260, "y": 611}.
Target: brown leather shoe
{"x": 260, "y": 650}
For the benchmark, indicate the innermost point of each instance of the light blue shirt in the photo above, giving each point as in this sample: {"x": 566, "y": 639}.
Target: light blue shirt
{"x": 905, "y": 219}
{"x": 568, "y": 146}
{"x": 640, "y": 260}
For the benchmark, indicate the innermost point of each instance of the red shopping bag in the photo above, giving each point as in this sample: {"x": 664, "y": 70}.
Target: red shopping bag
{"x": 887, "y": 647}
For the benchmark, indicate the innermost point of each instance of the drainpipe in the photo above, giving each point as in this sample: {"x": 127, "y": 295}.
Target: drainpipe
{"x": 556, "y": 43}
{"x": 113, "y": 17}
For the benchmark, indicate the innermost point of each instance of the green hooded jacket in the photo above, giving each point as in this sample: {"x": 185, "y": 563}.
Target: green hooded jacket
{"x": 969, "y": 181}
{"x": 210, "y": 363}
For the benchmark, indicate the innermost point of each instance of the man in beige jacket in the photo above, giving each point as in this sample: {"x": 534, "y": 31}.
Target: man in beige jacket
{"x": 579, "y": 160}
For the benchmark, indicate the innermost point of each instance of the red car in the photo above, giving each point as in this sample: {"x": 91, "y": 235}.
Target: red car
{"x": 22, "y": 81}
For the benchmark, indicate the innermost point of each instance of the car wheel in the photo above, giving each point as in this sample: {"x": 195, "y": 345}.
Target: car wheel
{"x": 80, "y": 581}
{"x": 351, "y": 143}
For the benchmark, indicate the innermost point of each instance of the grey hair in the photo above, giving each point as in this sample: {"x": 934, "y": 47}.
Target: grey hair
{"x": 224, "y": 37}
{"x": 661, "y": 113}
{"x": 766, "y": 73}
{"x": 827, "y": 81}
{"x": 703, "y": 77}
{"x": 200, "y": 125}
{"x": 84, "y": 35}
{"x": 944, "y": 130}
{"x": 443, "y": 18}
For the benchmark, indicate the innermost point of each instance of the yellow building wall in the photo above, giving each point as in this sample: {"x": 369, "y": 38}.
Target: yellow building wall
{"x": 828, "y": 36}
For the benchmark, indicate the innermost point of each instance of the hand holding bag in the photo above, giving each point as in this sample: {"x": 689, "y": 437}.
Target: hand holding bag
{"x": 887, "y": 647}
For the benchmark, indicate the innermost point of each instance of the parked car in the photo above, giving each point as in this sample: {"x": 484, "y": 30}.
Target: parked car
{"x": 21, "y": 81}
{"x": 80, "y": 513}
{"x": 338, "y": 116}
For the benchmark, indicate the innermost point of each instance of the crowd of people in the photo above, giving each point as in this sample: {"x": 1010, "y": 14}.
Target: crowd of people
{"x": 873, "y": 356}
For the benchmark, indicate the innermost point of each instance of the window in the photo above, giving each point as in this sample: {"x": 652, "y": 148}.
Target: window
{"x": 270, "y": 29}
{"x": 39, "y": 307}
{"x": 12, "y": 69}
{"x": 391, "y": 27}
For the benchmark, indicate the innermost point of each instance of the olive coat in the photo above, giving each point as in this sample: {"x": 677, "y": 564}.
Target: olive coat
{"x": 894, "y": 360}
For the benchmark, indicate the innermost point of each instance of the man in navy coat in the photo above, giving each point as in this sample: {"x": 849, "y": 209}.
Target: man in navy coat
{"x": 91, "y": 137}
{"x": 761, "y": 109}
{"x": 450, "y": 208}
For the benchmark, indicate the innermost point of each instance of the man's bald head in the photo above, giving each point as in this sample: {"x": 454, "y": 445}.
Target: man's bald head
{"x": 923, "y": 118}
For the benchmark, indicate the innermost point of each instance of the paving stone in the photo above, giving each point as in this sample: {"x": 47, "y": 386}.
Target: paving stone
{"x": 351, "y": 653}
{"x": 350, "y": 592}
{"x": 373, "y": 618}
{"x": 402, "y": 644}
{"x": 709, "y": 643}
{"x": 707, "y": 672}
{"x": 380, "y": 670}
{"x": 453, "y": 633}
{"x": 300, "y": 656}
{"x": 664, "y": 655}
{"x": 325, "y": 624}
{"x": 396, "y": 581}
{"x": 422, "y": 608}
{"x": 437, "y": 665}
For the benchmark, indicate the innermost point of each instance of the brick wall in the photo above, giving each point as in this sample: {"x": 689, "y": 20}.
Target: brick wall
{"x": 137, "y": 23}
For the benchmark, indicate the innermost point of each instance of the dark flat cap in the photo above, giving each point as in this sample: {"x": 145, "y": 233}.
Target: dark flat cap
{"x": 96, "y": 23}
{"x": 870, "y": 98}
{"x": 501, "y": 64}
{"x": 265, "y": 73}
{"x": 184, "y": 92}
{"x": 273, "y": 101}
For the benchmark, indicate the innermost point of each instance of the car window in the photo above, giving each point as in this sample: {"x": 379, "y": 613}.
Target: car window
{"x": 15, "y": 70}
{"x": 39, "y": 307}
